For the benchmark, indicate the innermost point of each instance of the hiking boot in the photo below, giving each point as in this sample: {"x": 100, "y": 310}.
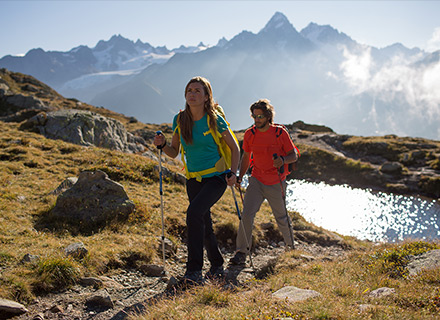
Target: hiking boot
{"x": 193, "y": 278}
{"x": 215, "y": 273}
{"x": 238, "y": 259}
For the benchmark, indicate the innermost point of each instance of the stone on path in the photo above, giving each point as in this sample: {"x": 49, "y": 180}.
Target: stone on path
{"x": 294, "y": 294}
{"x": 11, "y": 307}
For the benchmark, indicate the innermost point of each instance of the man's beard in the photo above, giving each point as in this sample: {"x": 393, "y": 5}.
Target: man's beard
{"x": 261, "y": 125}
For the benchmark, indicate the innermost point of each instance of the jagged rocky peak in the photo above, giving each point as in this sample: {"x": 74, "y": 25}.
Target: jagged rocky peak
{"x": 241, "y": 40}
{"x": 399, "y": 49}
{"x": 222, "y": 42}
{"x": 278, "y": 23}
{"x": 145, "y": 46}
{"x": 116, "y": 41}
{"x": 324, "y": 34}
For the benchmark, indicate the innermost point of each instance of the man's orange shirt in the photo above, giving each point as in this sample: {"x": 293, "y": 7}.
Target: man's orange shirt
{"x": 261, "y": 146}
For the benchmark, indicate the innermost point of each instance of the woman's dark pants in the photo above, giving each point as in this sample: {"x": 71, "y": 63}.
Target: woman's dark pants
{"x": 202, "y": 196}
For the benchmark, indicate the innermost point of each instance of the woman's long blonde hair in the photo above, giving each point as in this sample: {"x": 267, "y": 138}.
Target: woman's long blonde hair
{"x": 186, "y": 120}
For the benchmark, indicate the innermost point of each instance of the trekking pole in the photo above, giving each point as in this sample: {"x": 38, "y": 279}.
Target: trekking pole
{"x": 241, "y": 195}
{"x": 161, "y": 199}
{"x": 283, "y": 194}
{"x": 248, "y": 248}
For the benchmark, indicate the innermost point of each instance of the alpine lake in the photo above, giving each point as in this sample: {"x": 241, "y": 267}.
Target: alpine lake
{"x": 363, "y": 213}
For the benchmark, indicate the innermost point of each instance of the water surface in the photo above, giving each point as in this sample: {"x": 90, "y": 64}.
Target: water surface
{"x": 364, "y": 214}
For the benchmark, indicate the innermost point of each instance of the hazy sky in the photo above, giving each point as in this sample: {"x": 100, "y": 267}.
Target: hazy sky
{"x": 63, "y": 25}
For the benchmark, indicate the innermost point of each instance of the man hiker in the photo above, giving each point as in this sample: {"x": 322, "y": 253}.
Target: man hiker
{"x": 267, "y": 149}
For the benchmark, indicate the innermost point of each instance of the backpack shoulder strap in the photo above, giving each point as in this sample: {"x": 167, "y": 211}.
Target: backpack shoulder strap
{"x": 182, "y": 150}
{"x": 279, "y": 130}
{"x": 253, "y": 131}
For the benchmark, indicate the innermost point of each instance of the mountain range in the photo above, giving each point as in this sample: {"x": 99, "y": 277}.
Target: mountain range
{"x": 318, "y": 75}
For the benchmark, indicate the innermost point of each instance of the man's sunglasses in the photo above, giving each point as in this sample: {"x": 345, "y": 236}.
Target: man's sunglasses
{"x": 258, "y": 116}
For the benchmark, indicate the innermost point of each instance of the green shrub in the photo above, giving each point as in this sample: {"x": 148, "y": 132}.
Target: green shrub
{"x": 393, "y": 262}
{"x": 56, "y": 273}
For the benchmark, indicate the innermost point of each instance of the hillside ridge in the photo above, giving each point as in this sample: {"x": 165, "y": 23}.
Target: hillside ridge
{"x": 402, "y": 165}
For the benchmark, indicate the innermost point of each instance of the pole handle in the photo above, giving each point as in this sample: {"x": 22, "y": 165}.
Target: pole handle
{"x": 158, "y": 133}
{"x": 280, "y": 169}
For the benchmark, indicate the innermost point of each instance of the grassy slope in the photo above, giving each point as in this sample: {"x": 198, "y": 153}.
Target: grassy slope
{"x": 32, "y": 166}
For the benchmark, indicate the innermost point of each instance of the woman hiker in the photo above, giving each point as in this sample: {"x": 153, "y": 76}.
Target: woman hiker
{"x": 194, "y": 129}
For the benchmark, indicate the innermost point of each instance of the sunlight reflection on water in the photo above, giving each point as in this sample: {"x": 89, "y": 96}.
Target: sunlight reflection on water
{"x": 364, "y": 214}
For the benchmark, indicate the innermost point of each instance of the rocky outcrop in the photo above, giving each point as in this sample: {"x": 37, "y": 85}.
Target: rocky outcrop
{"x": 92, "y": 202}
{"x": 24, "y": 98}
{"x": 425, "y": 261}
{"x": 402, "y": 165}
{"x": 85, "y": 128}
{"x": 21, "y": 93}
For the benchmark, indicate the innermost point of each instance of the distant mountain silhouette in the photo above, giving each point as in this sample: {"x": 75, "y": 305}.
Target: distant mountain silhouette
{"x": 113, "y": 57}
{"x": 319, "y": 75}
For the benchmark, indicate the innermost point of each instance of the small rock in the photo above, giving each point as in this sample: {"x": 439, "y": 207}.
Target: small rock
{"x": 76, "y": 250}
{"x": 91, "y": 282}
{"x": 56, "y": 309}
{"x": 382, "y": 292}
{"x": 171, "y": 283}
{"x": 152, "y": 270}
{"x": 294, "y": 294}
{"x": 100, "y": 299}
{"x": 29, "y": 258}
{"x": 391, "y": 167}
{"x": 38, "y": 316}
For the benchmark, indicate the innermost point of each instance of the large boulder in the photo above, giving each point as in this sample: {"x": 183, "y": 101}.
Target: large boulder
{"x": 85, "y": 128}
{"x": 92, "y": 202}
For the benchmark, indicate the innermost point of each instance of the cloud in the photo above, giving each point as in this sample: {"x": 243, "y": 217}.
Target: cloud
{"x": 434, "y": 42}
{"x": 356, "y": 69}
{"x": 398, "y": 80}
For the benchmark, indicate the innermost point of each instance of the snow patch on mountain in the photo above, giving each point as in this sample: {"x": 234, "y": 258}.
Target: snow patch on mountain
{"x": 89, "y": 80}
